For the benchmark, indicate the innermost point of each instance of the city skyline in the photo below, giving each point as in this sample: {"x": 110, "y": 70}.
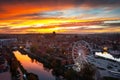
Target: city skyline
{"x": 61, "y": 16}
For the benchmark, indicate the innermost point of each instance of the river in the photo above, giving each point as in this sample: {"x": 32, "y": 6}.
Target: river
{"x": 34, "y": 67}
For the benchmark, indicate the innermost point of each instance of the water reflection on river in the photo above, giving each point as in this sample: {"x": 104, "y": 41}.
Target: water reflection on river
{"x": 34, "y": 67}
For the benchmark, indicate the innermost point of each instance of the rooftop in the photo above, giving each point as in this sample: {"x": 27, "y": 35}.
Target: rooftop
{"x": 5, "y": 76}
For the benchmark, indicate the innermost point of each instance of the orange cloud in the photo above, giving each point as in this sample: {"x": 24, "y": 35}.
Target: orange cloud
{"x": 35, "y": 16}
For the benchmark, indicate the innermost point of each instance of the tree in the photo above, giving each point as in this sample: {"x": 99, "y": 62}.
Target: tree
{"x": 88, "y": 72}
{"x": 70, "y": 74}
{"x": 34, "y": 48}
{"x": 31, "y": 76}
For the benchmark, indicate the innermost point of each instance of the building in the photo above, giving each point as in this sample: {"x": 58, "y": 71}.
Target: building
{"x": 7, "y": 42}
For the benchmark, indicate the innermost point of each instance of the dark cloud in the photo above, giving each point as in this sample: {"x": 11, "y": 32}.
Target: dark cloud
{"x": 64, "y": 2}
{"x": 17, "y": 22}
{"x": 104, "y": 2}
{"x": 53, "y": 5}
{"x": 2, "y": 10}
{"x": 84, "y": 28}
{"x": 4, "y": 28}
{"x": 28, "y": 15}
{"x": 51, "y": 13}
{"x": 41, "y": 14}
{"x": 98, "y": 2}
{"x": 17, "y": 1}
{"x": 114, "y": 24}
{"x": 111, "y": 24}
{"x": 79, "y": 1}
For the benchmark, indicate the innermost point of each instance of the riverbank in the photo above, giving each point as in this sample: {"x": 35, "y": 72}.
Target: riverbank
{"x": 60, "y": 70}
{"x": 5, "y": 73}
{"x": 33, "y": 66}
{"x": 20, "y": 69}
{"x": 13, "y": 66}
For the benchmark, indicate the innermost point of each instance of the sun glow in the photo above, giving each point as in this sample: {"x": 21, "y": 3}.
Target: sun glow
{"x": 47, "y": 16}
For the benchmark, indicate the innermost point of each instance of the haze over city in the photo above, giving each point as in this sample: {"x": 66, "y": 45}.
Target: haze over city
{"x": 61, "y": 16}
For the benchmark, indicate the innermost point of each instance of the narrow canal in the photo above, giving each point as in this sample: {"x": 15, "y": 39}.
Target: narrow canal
{"x": 34, "y": 67}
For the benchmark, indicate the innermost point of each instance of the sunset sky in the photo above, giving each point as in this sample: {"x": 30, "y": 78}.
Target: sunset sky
{"x": 61, "y": 16}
